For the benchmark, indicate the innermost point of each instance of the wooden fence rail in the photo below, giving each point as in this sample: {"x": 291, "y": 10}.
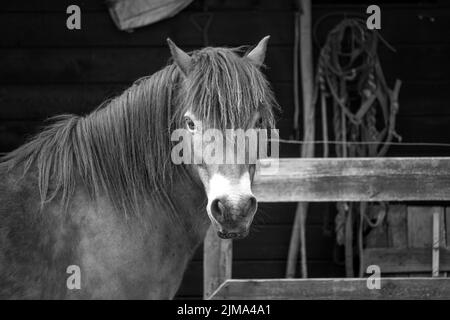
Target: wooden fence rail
{"x": 333, "y": 179}
{"x": 336, "y": 289}
{"x": 355, "y": 179}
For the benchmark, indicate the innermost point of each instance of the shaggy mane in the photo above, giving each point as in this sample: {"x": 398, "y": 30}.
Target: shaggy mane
{"x": 122, "y": 149}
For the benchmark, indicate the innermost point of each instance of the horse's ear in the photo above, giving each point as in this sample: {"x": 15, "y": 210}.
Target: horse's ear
{"x": 181, "y": 58}
{"x": 258, "y": 54}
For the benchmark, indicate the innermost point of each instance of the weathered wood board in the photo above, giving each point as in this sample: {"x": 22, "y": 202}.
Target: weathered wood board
{"x": 420, "y": 226}
{"x": 405, "y": 260}
{"x": 410, "y": 238}
{"x": 336, "y": 289}
{"x": 217, "y": 261}
{"x": 41, "y": 101}
{"x": 44, "y": 29}
{"x": 355, "y": 179}
{"x": 397, "y": 230}
{"x": 125, "y": 64}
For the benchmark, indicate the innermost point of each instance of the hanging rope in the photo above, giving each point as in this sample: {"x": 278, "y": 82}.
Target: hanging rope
{"x": 349, "y": 73}
{"x": 350, "y": 81}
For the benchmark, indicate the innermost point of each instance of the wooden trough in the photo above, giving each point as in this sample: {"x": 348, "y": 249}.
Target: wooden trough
{"x": 334, "y": 180}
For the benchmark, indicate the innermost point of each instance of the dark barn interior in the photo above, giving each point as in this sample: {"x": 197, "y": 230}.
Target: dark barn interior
{"x": 46, "y": 69}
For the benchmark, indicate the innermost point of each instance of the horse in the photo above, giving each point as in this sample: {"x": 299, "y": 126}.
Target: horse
{"x": 97, "y": 196}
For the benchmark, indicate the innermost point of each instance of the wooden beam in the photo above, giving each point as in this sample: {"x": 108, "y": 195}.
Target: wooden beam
{"x": 420, "y": 225}
{"x": 217, "y": 262}
{"x": 304, "y": 46}
{"x": 447, "y": 226}
{"x": 353, "y": 179}
{"x": 436, "y": 243}
{"x": 397, "y": 222}
{"x": 347, "y": 288}
{"x": 405, "y": 260}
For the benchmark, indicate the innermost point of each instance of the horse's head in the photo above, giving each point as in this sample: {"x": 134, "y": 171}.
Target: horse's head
{"x": 222, "y": 95}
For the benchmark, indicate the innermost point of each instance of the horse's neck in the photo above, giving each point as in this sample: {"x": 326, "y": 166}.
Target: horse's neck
{"x": 190, "y": 200}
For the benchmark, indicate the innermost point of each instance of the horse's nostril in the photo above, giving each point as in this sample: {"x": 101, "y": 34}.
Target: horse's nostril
{"x": 250, "y": 205}
{"x": 217, "y": 209}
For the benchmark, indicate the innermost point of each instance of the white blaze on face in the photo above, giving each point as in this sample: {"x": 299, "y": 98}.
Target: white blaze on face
{"x": 233, "y": 189}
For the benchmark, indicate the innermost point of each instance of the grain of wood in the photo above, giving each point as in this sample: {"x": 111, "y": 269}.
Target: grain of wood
{"x": 447, "y": 226}
{"x": 217, "y": 261}
{"x": 125, "y": 64}
{"x": 336, "y": 289}
{"x": 405, "y": 260}
{"x": 356, "y": 179}
{"x": 420, "y": 229}
{"x": 298, "y": 237}
{"x": 377, "y": 237}
{"x": 420, "y": 226}
{"x": 41, "y": 26}
{"x": 436, "y": 242}
{"x": 396, "y": 219}
{"x": 105, "y": 65}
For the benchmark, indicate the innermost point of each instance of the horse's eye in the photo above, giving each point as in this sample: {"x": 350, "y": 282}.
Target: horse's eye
{"x": 190, "y": 125}
{"x": 259, "y": 123}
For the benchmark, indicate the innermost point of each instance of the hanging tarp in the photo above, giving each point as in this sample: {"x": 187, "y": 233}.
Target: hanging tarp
{"x": 130, "y": 14}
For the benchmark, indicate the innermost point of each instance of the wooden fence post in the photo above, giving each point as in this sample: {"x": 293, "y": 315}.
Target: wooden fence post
{"x": 436, "y": 243}
{"x": 217, "y": 262}
{"x": 298, "y": 236}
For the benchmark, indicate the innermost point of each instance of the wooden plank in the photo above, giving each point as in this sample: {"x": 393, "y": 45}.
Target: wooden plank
{"x": 79, "y": 65}
{"x": 420, "y": 226}
{"x": 397, "y": 22}
{"x": 192, "y": 284}
{"x": 318, "y": 7}
{"x": 304, "y": 60}
{"x": 436, "y": 243}
{"x": 52, "y": 5}
{"x": 217, "y": 261}
{"x": 405, "y": 260}
{"x": 447, "y": 224}
{"x": 424, "y": 58}
{"x": 100, "y": 5}
{"x": 38, "y": 102}
{"x": 355, "y": 179}
{"x": 336, "y": 289}
{"x": 418, "y": 99}
{"x": 377, "y": 237}
{"x": 104, "y": 65}
{"x": 41, "y": 101}
{"x": 94, "y": 65}
{"x": 394, "y": 234}
{"x": 47, "y": 28}
{"x": 397, "y": 230}
{"x": 98, "y": 30}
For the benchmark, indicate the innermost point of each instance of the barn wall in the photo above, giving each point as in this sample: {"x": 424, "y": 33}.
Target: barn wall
{"x": 46, "y": 69}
